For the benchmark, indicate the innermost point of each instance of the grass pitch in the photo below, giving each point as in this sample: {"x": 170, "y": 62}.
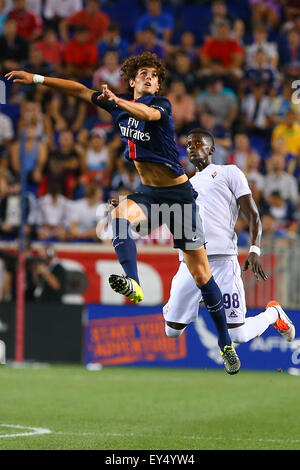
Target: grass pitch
{"x": 151, "y": 409}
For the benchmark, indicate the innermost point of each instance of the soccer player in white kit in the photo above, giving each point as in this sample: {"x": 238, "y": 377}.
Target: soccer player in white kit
{"x": 222, "y": 190}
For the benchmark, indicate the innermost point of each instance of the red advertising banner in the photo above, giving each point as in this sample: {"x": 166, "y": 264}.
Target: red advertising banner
{"x": 157, "y": 266}
{"x": 156, "y": 270}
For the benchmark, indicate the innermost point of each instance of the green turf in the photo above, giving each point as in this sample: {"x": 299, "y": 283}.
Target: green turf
{"x": 135, "y": 408}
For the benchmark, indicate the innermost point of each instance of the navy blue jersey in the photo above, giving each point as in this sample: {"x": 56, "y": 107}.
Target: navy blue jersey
{"x": 147, "y": 141}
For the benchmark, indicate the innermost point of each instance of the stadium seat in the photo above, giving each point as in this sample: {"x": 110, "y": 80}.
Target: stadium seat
{"x": 258, "y": 143}
{"x": 194, "y": 18}
{"x": 126, "y": 16}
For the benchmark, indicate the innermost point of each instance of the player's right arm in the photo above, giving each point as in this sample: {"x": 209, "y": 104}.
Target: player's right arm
{"x": 68, "y": 87}
{"x": 250, "y": 210}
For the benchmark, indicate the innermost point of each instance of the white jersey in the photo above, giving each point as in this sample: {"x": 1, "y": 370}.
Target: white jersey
{"x": 218, "y": 188}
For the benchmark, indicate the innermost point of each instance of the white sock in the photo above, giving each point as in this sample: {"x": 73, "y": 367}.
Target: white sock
{"x": 253, "y": 326}
{"x": 172, "y": 333}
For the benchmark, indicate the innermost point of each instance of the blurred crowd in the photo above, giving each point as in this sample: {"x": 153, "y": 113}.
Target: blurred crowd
{"x": 233, "y": 69}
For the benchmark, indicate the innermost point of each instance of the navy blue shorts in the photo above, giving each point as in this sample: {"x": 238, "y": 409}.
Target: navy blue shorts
{"x": 176, "y": 207}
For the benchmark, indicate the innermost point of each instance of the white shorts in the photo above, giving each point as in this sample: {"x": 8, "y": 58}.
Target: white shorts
{"x": 183, "y": 304}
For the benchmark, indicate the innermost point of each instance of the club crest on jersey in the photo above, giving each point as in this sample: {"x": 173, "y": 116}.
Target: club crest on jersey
{"x": 214, "y": 174}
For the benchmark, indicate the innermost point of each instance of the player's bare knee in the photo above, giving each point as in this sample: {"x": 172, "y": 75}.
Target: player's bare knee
{"x": 173, "y": 329}
{"x": 201, "y": 277}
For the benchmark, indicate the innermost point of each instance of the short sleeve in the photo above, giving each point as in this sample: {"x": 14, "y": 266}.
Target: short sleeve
{"x": 237, "y": 181}
{"x": 104, "y": 104}
{"x": 163, "y": 105}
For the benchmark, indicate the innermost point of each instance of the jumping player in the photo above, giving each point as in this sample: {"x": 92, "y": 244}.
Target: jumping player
{"x": 222, "y": 190}
{"x": 145, "y": 123}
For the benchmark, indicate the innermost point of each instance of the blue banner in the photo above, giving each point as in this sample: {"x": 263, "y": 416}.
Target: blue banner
{"x": 135, "y": 335}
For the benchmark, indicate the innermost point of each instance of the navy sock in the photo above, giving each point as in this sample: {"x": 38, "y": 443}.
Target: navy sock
{"x": 213, "y": 300}
{"x": 125, "y": 247}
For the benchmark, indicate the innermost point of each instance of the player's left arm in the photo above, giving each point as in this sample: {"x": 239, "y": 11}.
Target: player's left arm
{"x": 138, "y": 110}
{"x": 249, "y": 209}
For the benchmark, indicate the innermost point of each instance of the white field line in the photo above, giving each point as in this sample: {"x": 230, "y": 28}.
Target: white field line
{"x": 31, "y": 432}
{"x": 38, "y": 431}
{"x": 251, "y": 439}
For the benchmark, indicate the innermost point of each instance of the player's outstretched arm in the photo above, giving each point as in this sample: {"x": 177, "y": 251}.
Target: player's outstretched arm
{"x": 249, "y": 209}
{"x": 138, "y": 110}
{"x": 68, "y": 87}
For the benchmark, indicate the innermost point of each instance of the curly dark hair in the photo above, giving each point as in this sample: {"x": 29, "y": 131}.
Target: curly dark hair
{"x": 131, "y": 65}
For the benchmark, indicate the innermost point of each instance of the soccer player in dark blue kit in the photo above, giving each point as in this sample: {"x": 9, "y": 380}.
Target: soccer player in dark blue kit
{"x": 145, "y": 122}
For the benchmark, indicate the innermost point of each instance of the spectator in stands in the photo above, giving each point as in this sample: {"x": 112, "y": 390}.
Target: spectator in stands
{"x": 266, "y": 12}
{"x": 256, "y": 111}
{"x": 31, "y": 114}
{"x": 10, "y": 211}
{"x": 289, "y": 129}
{"x": 13, "y": 47}
{"x": 290, "y": 55}
{"x": 99, "y": 118}
{"x": 56, "y": 10}
{"x": 162, "y": 23}
{"x": 92, "y": 17}
{"x": 113, "y": 41}
{"x": 109, "y": 73}
{"x": 220, "y": 100}
{"x": 67, "y": 112}
{"x": 219, "y": 15}
{"x": 64, "y": 165}
{"x": 183, "y": 106}
{"x": 238, "y": 32}
{"x": 53, "y": 214}
{"x": 149, "y": 42}
{"x": 223, "y": 142}
{"x": 254, "y": 177}
{"x": 32, "y": 5}
{"x": 187, "y": 43}
{"x": 52, "y": 49}
{"x": 49, "y": 275}
{"x": 181, "y": 68}
{"x": 260, "y": 71}
{"x": 29, "y": 24}
{"x": 241, "y": 151}
{"x": 5, "y": 173}
{"x": 279, "y": 180}
{"x": 84, "y": 215}
{"x": 282, "y": 102}
{"x": 270, "y": 231}
{"x": 260, "y": 36}
{"x": 6, "y": 131}
{"x": 283, "y": 210}
{"x": 96, "y": 158}
{"x": 33, "y": 153}
{"x": 221, "y": 55}
{"x": 36, "y": 63}
{"x": 81, "y": 55}
{"x": 291, "y": 165}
